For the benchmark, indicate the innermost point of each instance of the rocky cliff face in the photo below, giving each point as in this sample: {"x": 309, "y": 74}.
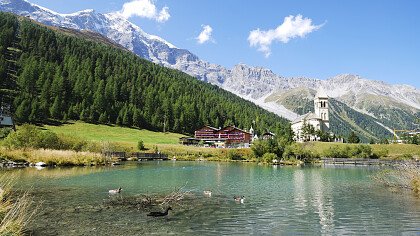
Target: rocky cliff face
{"x": 381, "y": 101}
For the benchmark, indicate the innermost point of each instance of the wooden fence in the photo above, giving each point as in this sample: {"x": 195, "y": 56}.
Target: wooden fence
{"x": 149, "y": 156}
{"x": 139, "y": 155}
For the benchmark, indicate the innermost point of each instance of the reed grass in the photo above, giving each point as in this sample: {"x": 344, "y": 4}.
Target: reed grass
{"x": 53, "y": 157}
{"x": 15, "y": 211}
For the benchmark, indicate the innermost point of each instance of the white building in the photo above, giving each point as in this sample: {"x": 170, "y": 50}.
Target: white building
{"x": 318, "y": 119}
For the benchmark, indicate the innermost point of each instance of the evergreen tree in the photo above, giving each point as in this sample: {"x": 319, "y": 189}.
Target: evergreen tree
{"x": 103, "y": 118}
{"x": 353, "y": 138}
{"x": 55, "y": 110}
{"x": 137, "y": 120}
{"x": 23, "y": 111}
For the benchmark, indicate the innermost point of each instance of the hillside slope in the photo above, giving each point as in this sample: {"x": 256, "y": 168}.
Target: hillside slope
{"x": 399, "y": 104}
{"x": 343, "y": 119}
{"x": 65, "y": 77}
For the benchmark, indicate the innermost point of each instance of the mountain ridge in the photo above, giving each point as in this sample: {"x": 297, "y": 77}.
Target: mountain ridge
{"x": 55, "y": 76}
{"x": 250, "y": 82}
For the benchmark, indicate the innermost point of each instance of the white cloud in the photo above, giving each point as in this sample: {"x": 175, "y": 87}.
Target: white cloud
{"x": 205, "y": 34}
{"x": 145, "y": 9}
{"x": 292, "y": 27}
{"x": 163, "y": 15}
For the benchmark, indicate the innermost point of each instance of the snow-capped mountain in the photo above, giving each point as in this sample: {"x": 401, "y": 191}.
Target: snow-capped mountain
{"x": 259, "y": 85}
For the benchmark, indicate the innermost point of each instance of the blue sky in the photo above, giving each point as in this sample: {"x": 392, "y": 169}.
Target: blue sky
{"x": 376, "y": 39}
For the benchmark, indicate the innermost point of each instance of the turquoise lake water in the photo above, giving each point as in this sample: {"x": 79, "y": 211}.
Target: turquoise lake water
{"x": 323, "y": 200}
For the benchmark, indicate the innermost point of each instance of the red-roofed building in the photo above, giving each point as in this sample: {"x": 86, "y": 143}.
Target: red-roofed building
{"x": 229, "y": 136}
{"x": 207, "y": 132}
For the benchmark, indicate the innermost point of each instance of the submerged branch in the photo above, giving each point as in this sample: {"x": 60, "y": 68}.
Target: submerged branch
{"x": 176, "y": 196}
{"x": 142, "y": 201}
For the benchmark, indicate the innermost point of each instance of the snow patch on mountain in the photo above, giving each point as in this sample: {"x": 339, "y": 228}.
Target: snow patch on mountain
{"x": 274, "y": 107}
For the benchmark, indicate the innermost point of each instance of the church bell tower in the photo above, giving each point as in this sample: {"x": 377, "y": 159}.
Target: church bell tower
{"x": 321, "y": 106}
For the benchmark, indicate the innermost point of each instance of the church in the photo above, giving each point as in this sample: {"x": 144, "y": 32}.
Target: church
{"x": 318, "y": 119}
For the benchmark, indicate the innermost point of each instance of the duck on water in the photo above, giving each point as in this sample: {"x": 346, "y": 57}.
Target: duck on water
{"x": 158, "y": 213}
{"x": 240, "y": 199}
{"x": 115, "y": 191}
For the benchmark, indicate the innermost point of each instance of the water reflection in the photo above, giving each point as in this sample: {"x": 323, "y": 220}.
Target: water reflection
{"x": 299, "y": 199}
{"x": 312, "y": 194}
{"x": 323, "y": 202}
{"x": 282, "y": 200}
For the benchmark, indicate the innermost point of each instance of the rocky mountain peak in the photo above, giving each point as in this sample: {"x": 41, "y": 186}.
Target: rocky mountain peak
{"x": 252, "y": 83}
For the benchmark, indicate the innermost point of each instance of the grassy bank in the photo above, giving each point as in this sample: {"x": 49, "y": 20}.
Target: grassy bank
{"x": 387, "y": 151}
{"x": 168, "y": 142}
{"x": 88, "y": 140}
{"x": 182, "y": 152}
{"x": 52, "y": 157}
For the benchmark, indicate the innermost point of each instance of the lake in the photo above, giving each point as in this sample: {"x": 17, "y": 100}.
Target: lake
{"x": 315, "y": 200}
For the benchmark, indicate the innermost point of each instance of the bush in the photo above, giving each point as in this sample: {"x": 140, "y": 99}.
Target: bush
{"x": 353, "y": 138}
{"x": 336, "y": 152}
{"x": 297, "y": 151}
{"x": 233, "y": 154}
{"x": 258, "y": 148}
{"x": 380, "y": 153}
{"x": 288, "y": 152}
{"x": 49, "y": 140}
{"x": 349, "y": 151}
{"x": 27, "y": 136}
{"x": 269, "y": 157}
{"x": 361, "y": 151}
{"x": 140, "y": 145}
{"x": 4, "y": 132}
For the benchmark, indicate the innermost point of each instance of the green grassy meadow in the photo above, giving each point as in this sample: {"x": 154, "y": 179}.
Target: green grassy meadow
{"x": 393, "y": 150}
{"x": 168, "y": 142}
{"x": 127, "y": 137}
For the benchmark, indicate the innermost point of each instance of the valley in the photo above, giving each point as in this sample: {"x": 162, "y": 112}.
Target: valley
{"x": 390, "y": 106}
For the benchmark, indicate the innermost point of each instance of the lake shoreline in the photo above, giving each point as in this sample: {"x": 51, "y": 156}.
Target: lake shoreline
{"x": 20, "y": 158}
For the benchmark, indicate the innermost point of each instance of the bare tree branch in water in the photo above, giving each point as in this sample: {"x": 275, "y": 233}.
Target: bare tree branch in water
{"x": 176, "y": 196}
{"x": 146, "y": 201}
